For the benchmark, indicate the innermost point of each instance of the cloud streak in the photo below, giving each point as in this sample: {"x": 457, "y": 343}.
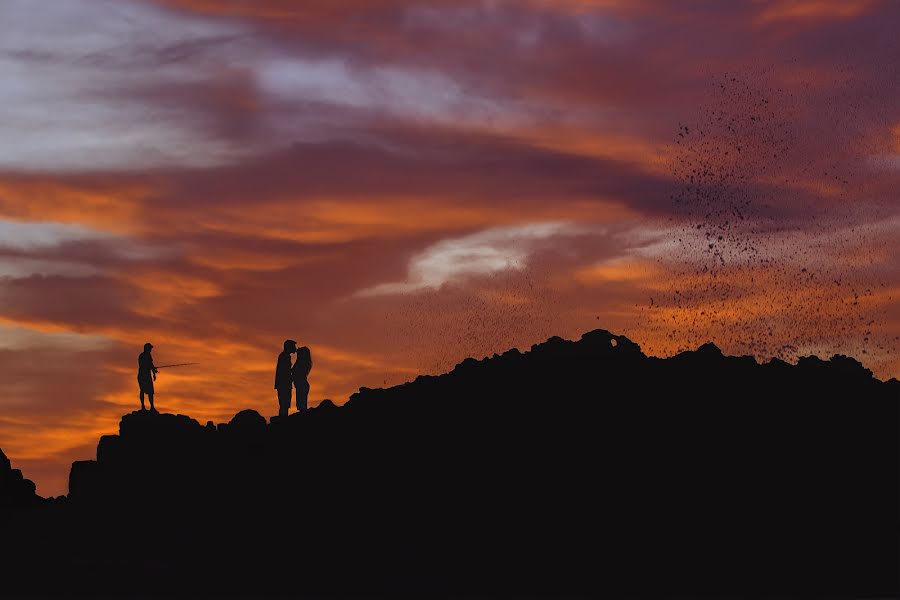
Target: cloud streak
{"x": 479, "y": 254}
{"x": 71, "y": 77}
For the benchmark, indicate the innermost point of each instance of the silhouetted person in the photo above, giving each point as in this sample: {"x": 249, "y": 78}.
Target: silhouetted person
{"x": 283, "y": 378}
{"x": 300, "y": 372}
{"x": 146, "y": 375}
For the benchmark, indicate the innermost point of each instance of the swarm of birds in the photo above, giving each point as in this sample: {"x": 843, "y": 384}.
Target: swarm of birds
{"x": 775, "y": 225}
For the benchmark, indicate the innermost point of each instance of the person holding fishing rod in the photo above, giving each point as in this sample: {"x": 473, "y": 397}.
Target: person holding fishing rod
{"x": 147, "y": 374}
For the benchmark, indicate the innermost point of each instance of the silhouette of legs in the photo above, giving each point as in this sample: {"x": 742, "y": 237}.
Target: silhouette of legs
{"x": 302, "y": 394}
{"x": 150, "y": 396}
{"x": 284, "y": 401}
{"x": 146, "y": 386}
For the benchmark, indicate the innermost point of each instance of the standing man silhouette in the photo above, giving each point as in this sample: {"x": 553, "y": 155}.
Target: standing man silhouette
{"x": 283, "y": 381}
{"x": 146, "y": 375}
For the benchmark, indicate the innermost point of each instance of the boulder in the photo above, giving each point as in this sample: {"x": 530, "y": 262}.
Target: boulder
{"x": 15, "y": 489}
{"x": 247, "y": 420}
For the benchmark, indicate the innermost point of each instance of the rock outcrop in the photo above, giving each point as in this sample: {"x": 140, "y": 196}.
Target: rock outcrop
{"x": 15, "y": 490}
{"x": 579, "y": 467}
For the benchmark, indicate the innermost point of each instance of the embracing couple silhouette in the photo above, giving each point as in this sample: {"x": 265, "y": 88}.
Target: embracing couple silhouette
{"x": 288, "y": 376}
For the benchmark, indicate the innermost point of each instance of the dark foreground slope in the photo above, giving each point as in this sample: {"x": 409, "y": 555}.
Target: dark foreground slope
{"x": 579, "y": 467}
{"x": 15, "y": 490}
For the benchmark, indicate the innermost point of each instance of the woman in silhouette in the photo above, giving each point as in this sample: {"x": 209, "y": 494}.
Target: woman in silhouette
{"x": 299, "y": 372}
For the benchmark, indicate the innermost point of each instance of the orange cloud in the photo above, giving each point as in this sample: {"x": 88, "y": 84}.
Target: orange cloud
{"x": 330, "y": 221}
{"x": 799, "y": 10}
{"x": 108, "y": 207}
{"x": 619, "y": 270}
{"x": 647, "y": 154}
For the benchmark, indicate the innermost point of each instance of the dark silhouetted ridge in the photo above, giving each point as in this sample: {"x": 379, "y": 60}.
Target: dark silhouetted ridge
{"x": 15, "y": 490}
{"x": 578, "y": 467}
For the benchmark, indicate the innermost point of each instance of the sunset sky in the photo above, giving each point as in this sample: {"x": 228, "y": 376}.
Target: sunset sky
{"x": 400, "y": 184}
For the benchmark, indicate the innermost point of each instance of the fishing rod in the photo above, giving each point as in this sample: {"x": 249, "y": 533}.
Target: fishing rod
{"x": 178, "y": 365}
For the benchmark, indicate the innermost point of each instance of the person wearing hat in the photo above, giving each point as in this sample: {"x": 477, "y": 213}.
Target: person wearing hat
{"x": 146, "y": 375}
{"x": 283, "y": 380}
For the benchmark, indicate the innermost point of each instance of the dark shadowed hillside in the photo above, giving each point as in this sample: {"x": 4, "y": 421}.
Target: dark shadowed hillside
{"x": 15, "y": 490}
{"x": 576, "y": 468}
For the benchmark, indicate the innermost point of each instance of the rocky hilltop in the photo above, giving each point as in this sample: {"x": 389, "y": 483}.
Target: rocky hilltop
{"x": 15, "y": 490}
{"x": 578, "y": 467}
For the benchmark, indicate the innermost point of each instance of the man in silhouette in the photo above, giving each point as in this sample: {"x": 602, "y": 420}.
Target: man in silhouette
{"x": 146, "y": 375}
{"x": 283, "y": 380}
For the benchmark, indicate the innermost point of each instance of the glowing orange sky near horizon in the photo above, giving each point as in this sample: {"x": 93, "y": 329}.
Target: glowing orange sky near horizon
{"x": 400, "y": 185}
